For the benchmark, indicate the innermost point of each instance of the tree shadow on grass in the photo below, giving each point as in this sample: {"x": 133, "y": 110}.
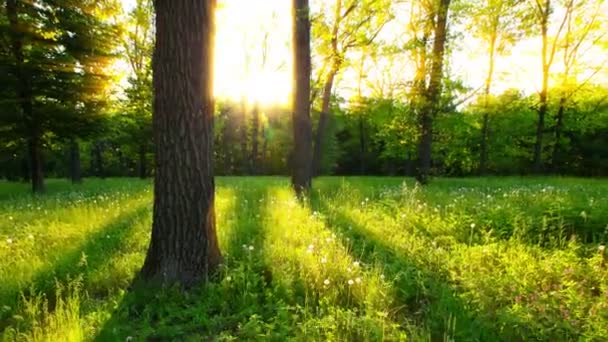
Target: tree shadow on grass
{"x": 81, "y": 261}
{"x": 238, "y": 302}
{"x": 423, "y": 292}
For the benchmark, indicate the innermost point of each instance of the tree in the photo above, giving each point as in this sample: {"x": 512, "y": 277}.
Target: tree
{"x": 495, "y": 22}
{"x": 582, "y": 32}
{"x": 302, "y": 126}
{"x": 59, "y": 58}
{"x": 138, "y": 44}
{"x": 355, "y": 24}
{"x": 428, "y": 96}
{"x": 542, "y": 15}
{"x": 184, "y": 247}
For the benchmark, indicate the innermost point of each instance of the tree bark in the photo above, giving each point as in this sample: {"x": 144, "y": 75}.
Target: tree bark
{"x": 302, "y": 125}
{"x": 183, "y": 248}
{"x": 97, "y": 160}
{"x": 75, "y": 168}
{"x": 432, "y": 95}
{"x": 24, "y": 93}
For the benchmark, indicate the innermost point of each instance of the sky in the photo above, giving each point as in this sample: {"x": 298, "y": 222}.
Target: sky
{"x": 244, "y": 25}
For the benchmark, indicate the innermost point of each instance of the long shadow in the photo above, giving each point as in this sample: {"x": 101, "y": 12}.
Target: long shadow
{"x": 422, "y": 294}
{"x": 225, "y": 306}
{"x": 84, "y": 260}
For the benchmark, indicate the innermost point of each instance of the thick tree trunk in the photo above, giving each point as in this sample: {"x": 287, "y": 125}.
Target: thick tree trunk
{"x": 433, "y": 94}
{"x": 183, "y": 248}
{"x": 301, "y": 158}
{"x": 75, "y": 168}
{"x": 143, "y": 170}
{"x": 255, "y": 132}
{"x": 24, "y": 93}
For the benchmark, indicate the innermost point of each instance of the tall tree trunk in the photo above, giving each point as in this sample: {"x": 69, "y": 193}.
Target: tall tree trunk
{"x": 558, "y": 134}
{"x": 433, "y": 94}
{"x": 183, "y": 248}
{"x": 324, "y": 117}
{"x": 301, "y": 159}
{"x": 483, "y": 156}
{"x": 35, "y": 152}
{"x": 255, "y": 132}
{"x": 323, "y": 121}
{"x": 97, "y": 160}
{"x": 143, "y": 170}
{"x": 75, "y": 168}
{"x": 24, "y": 93}
{"x": 542, "y": 110}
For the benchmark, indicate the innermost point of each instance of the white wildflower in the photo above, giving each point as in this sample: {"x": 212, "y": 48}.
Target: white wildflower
{"x": 251, "y": 248}
{"x": 326, "y": 282}
{"x": 472, "y": 225}
{"x": 356, "y": 264}
{"x": 350, "y": 282}
{"x": 9, "y": 241}
{"x": 358, "y": 280}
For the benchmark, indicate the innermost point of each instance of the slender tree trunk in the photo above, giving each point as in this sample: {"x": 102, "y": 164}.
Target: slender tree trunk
{"x": 433, "y": 94}
{"x": 243, "y": 131}
{"x": 24, "y": 93}
{"x": 301, "y": 157}
{"x": 255, "y": 132}
{"x": 98, "y": 163}
{"x": 323, "y": 123}
{"x": 35, "y": 152}
{"x": 483, "y": 157}
{"x": 324, "y": 117}
{"x": 558, "y": 134}
{"x": 361, "y": 145}
{"x": 75, "y": 168}
{"x": 184, "y": 247}
{"x": 143, "y": 170}
{"x": 542, "y": 111}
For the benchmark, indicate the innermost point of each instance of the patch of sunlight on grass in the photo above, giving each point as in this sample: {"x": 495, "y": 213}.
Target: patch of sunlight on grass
{"x": 301, "y": 248}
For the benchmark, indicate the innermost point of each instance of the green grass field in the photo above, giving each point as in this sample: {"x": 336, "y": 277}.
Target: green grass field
{"x": 369, "y": 259}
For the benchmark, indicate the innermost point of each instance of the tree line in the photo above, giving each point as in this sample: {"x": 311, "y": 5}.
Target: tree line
{"x": 62, "y": 116}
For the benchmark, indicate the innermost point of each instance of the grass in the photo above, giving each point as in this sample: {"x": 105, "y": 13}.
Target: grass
{"x": 367, "y": 259}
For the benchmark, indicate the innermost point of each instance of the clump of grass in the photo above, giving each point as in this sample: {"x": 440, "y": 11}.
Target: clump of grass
{"x": 362, "y": 259}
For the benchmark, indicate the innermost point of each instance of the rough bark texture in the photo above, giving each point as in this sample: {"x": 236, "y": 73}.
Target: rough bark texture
{"x": 75, "y": 168}
{"x": 302, "y": 125}
{"x": 432, "y": 95}
{"x": 24, "y": 94}
{"x": 184, "y": 247}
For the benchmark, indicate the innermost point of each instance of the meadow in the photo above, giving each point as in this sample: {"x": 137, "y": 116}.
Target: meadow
{"x": 364, "y": 259}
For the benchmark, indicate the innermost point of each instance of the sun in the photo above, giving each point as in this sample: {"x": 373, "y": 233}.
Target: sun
{"x": 253, "y": 51}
